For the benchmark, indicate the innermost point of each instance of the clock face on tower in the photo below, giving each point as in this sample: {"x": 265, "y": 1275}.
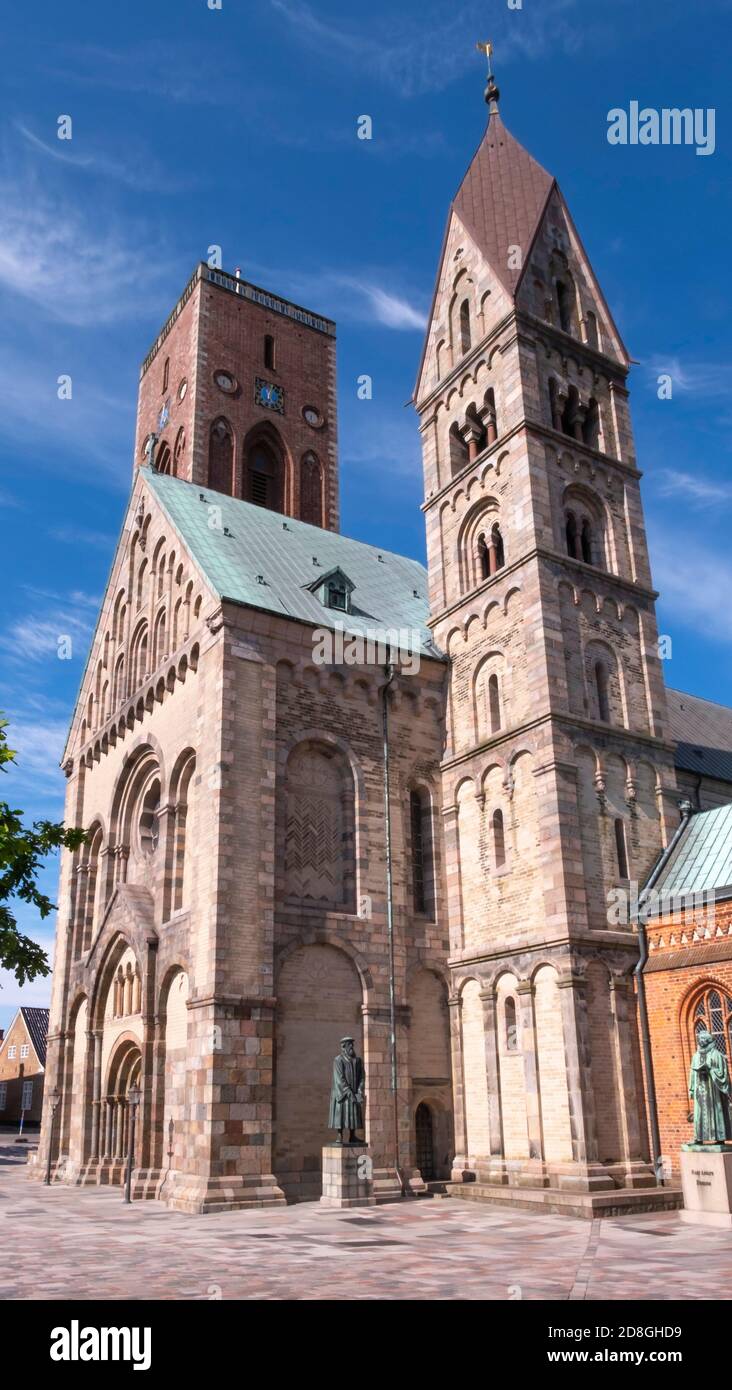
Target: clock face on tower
{"x": 266, "y": 393}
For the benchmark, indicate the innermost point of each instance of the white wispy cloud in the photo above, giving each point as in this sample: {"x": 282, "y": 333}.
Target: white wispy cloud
{"x": 381, "y": 439}
{"x": 164, "y": 69}
{"x": 693, "y": 487}
{"x": 80, "y": 270}
{"x": 689, "y": 376}
{"x": 34, "y": 636}
{"x": 83, "y": 535}
{"x": 94, "y": 424}
{"x": 365, "y": 298}
{"x": 392, "y": 310}
{"x": 427, "y": 51}
{"x": 694, "y": 581}
{"x": 9, "y": 502}
{"x": 139, "y": 170}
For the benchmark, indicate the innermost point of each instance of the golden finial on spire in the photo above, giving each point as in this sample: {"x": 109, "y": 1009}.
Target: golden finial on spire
{"x": 491, "y": 92}
{"x": 486, "y": 48}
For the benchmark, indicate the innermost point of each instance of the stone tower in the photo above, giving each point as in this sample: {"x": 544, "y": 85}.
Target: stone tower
{"x": 558, "y": 782}
{"x": 238, "y": 394}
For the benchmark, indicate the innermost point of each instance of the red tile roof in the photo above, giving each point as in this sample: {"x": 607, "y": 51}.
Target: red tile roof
{"x": 501, "y": 200}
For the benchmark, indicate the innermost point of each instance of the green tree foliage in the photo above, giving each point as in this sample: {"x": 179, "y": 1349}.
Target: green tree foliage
{"x": 22, "y": 850}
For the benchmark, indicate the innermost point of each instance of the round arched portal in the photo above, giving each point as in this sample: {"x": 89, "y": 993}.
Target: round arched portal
{"x": 319, "y": 998}
{"x": 123, "y": 1073}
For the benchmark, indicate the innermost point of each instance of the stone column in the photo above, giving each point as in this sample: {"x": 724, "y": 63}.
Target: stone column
{"x": 639, "y": 1172}
{"x": 575, "y": 1026}
{"x": 493, "y": 1083}
{"x": 525, "y": 995}
{"x": 578, "y": 420}
{"x": 472, "y": 436}
{"x": 454, "y": 1005}
{"x": 95, "y": 1038}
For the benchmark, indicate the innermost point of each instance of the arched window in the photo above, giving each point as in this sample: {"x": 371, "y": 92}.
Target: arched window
{"x": 269, "y": 352}
{"x": 591, "y": 425}
{"x": 564, "y": 304}
{"x": 483, "y": 558}
{"x": 139, "y": 657}
{"x": 490, "y": 416}
{"x": 221, "y": 457}
{"x": 554, "y": 406}
{"x": 264, "y": 481}
{"x": 180, "y": 444}
{"x": 586, "y": 541}
{"x": 621, "y": 848}
{"x": 421, "y": 847}
{"x": 319, "y": 828}
{"x": 458, "y": 449}
{"x": 159, "y": 639}
{"x": 570, "y": 419}
{"x": 166, "y": 375}
{"x": 497, "y": 543}
{"x": 510, "y": 1024}
{"x": 499, "y": 843}
{"x": 713, "y": 1012}
{"x": 571, "y": 534}
{"x": 177, "y": 891}
{"x": 311, "y": 490}
{"x": 164, "y": 459}
{"x": 494, "y": 704}
{"x": 118, "y": 688}
{"x": 149, "y": 821}
{"x": 591, "y": 329}
{"x": 601, "y": 687}
{"x": 465, "y": 326}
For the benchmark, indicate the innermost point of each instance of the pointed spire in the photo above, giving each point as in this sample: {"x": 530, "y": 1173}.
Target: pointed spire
{"x": 503, "y": 195}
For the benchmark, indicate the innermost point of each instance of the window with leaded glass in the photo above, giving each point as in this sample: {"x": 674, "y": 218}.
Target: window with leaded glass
{"x": 713, "y": 1012}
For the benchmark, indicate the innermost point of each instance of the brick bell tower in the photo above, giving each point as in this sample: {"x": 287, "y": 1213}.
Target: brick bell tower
{"x": 238, "y": 394}
{"x": 558, "y": 779}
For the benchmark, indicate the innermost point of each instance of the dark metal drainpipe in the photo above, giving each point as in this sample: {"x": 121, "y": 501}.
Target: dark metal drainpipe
{"x": 390, "y": 922}
{"x": 686, "y": 811}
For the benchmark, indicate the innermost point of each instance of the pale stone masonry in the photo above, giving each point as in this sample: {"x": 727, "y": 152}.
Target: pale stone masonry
{"x": 556, "y": 743}
{"x": 242, "y": 901}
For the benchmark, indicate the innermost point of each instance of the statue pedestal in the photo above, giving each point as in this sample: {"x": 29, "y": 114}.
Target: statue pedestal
{"x": 706, "y": 1178}
{"x": 347, "y": 1176}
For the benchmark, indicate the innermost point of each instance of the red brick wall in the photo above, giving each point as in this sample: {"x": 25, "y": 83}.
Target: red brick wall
{"x": 218, "y": 330}
{"x": 679, "y": 967}
{"x": 14, "y": 1071}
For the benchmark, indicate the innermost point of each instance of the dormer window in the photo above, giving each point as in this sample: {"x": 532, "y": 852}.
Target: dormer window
{"x": 334, "y": 590}
{"x": 337, "y": 595}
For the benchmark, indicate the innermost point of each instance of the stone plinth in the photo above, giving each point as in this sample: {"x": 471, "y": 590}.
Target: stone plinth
{"x": 706, "y": 1178}
{"x": 347, "y": 1176}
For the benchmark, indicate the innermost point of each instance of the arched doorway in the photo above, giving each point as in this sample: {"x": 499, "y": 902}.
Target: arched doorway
{"x": 319, "y": 997}
{"x": 124, "y": 1072}
{"x": 424, "y": 1142}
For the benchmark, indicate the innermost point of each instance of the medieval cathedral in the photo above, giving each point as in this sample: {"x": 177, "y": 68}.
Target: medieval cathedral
{"x": 281, "y": 852}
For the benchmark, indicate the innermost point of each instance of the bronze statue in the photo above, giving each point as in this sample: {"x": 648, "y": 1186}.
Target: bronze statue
{"x": 709, "y": 1091}
{"x": 347, "y": 1093}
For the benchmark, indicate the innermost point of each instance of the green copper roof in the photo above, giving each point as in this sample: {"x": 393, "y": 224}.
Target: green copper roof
{"x": 390, "y": 591}
{"x": 702, "y": 859}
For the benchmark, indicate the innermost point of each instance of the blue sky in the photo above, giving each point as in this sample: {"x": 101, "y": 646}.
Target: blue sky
{"x": 237, "y": 127}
